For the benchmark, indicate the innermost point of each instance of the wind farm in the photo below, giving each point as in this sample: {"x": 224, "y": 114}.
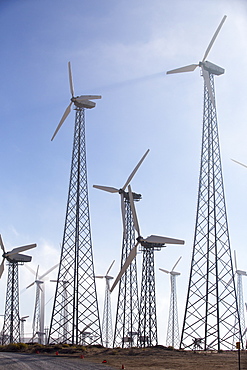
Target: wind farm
{"x": 129, "y": 304}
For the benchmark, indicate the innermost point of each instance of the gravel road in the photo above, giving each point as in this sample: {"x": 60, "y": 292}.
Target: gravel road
{"x": 17, "y": 361}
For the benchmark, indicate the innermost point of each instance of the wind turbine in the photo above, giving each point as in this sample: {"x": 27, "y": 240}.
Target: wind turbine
{"x": 83, "y": 101}
{"x": 39, "y": 306}
{"x": 207, "y": 68}
{"x": 240, "y": 300}
{"x": 76, "y": 266}
{"x": 22, "y": 320}
{"x": 11, "y": 326}
{"x": 127, "y": 315}
{"x": 208, "y": 308}
{"x": 147, "y": 330}
{"x": 172, "y": 338}
{"x": 107, "y": 334}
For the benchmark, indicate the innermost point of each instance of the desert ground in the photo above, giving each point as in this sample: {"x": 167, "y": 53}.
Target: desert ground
{"x": 154, "y": 358}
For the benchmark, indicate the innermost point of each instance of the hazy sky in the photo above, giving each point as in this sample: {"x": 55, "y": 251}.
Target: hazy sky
{"x": 121, "y": 50}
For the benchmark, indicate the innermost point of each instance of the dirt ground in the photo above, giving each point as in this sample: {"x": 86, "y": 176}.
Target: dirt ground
{"x": 163, "y": 359}
{"x": 154, "y": 358}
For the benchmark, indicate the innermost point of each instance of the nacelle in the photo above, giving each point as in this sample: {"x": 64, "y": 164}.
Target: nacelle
{"x": 212, "y": 68}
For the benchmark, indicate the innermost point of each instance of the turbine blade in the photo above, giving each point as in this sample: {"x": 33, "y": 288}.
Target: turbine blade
{"x": 133, "y": 210}
{"x": 239, "y": 163}
{"x": 71, "y": 81}
{"x": 208, "y": 84}
{"x": 88, "y": 97}
{"x": 30, "y": 269}
{"x": 162, "y": 240}
{"x": 110, "y": 267}
{"x": 65, "y": 115}
{"x": 1, "y": 244}
{"x": 128, "y": 261}
{"x": 189, "y": 68}
{"x": 134, "y": 170}
{"x": 30, "y": 285}
{"x": 36, "y": 276}
{"x": 176, "y": 263}
{"x": 106, "y": 188}
{"x": 123, "y": 214}
{"x": 20, "y": 249}
{"x": 213, "y": 38}
{"x": 167, "y": 272}
{"x": 48, "y": 271}
{"x": 1, "y": 268}
{"x": 97, "y": 277}
{"x": 235, "y": 260}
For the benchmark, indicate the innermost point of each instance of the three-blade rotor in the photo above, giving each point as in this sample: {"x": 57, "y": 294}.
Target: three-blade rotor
{"x": 14, "y": 254}
{"x": 172, "y": 272}
{"x": 203, "y": 64}
{"x": 122, "y": 190}
{"x": 150, "y": 241}
{"x": 83, "y": 101}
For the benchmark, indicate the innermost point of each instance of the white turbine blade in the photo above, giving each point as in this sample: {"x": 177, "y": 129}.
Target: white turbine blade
{"x": 134, "y": 170}
{"x": 235, "y": 260}
{"x": 110, "y": 267}
{"x": 1, "y": 244}
{"x": 30, "y": 269}
{"x": 71, "y": 81}
{"x": 123, "y": 214}
{"x": 47, "y": 272}
{"x": 208, "y": 84}
{"x": 36, "y": 276}
{"x": 162, "y": 240}
{"x": 213, "y": 38}
{"x": 106, "y": 188}
{"x": 88, "y": 97}
{"x": 189, "y": 68}
{"x": 176, "y": 263}
{"x": 239, "y": 163}
{"x": 2, "y": 267}
{"x": 20, "y": 249}
{"x": 167, "y": 272}
{"x": 128, "y": 261}
{"x": 65, "y": 115}
{"x": 133, "y": 210}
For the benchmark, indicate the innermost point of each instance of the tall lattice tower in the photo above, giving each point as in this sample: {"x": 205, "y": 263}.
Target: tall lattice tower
{"x": 127, "y": 315}
{"x": 148, "y": 335}
{"x": 11, "y": 327}
{"x": 76, "y": 320}
{"x": 172, "y": 338}
{"x": 147, "y": 326}
{"x": 211, "y": 312}
{"x": 240, "y": 298}
{"x": 107, "y": 333}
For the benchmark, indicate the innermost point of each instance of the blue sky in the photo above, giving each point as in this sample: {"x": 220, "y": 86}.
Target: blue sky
{"x": 121, "y": 50}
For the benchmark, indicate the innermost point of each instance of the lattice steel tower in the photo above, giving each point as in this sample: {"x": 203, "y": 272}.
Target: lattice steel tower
{"x": 211, "y": 314}
{"x": 127, "y": 315}
{"x": 240, "y": 299}
{"x": 11, "y": 326}
{"x": 76, "y": 319}
{"x": 126, "y": 325}
{"x": 172, "y": 338}
{"x": 147, "y": 326}
{"x": 107, "y": 333}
